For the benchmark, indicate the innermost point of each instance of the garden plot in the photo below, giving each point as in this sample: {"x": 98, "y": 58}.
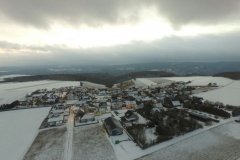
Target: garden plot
{"x": 18, "y": 130}
{"x": 227, "y": 95}
{"x": 49, "y": 144}
{"x": 222, "y": 142}
{"x": 90, "y": 142}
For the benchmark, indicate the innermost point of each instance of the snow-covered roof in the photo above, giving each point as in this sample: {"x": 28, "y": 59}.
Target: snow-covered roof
{"x": 176, "y": 103}
{"x": 158, "y": 105}
{"x": 87, "y": 116}
{"x": 58, "y": 111}
{"x": 71, "y": 102}
{"x": 130, "y": 102}
{"x": 55, "y": 119}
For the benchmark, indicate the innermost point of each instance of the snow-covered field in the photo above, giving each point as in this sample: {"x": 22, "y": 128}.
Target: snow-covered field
{"x": 10, "y": 92}
{"x": 146, "y": 81}
{"x": 49, "y": 144}
{"x": 206, "y": 80}
{"x": 11, "y": 76}
{"x": 90, "y": 142}
{"x": 93, "y": 85}
{"x": 18, "y": 130}
{"x": 222, "y": 142}
{"x": 195, "y": 81}
{"x": 227, "y": 95}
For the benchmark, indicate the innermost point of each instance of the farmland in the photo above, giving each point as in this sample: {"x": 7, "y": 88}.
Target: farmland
{"x": 90, "y": 142}
{"x": 18, "y": 130}
{"x": 48, "y": 143}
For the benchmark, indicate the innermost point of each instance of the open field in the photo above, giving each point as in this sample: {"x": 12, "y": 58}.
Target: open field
{"x": 90, "y": 143}
{"x": 222, "y": 143}
{"x": 227, "y": 95}
{"x": 206, "y": 80}
{"x": 146, "y": 81}
{"x": 11, "y": 76}
{"x": 92, "y": 85}
{"x": 18, "y": 130}
{"x": 49, "y": 144}
{"x": 10, "y": 92}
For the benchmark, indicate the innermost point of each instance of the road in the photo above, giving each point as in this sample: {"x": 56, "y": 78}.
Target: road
{"x": 68, "y": 149}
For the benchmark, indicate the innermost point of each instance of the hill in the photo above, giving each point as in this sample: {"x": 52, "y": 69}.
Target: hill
{"x": 231, "y": 75}
{"x": 100, "y": 78}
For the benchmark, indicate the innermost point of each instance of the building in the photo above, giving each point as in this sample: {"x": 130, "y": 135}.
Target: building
{"x": 87, "y": 118}
{"x": 176, "y": 104}
{"x": 113, "y": 126}
{"x": 130, "y": 116}
{"x": 130, "y": 104}
{"x": 116, "y": 105}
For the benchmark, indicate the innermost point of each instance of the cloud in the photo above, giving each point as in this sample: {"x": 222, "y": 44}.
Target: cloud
{"x": 95, "y": 13}
{"x": 175, "y": 49}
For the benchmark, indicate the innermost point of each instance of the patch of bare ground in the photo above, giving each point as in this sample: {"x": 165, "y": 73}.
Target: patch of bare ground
{"x": 212, "y": 144}
{"x": 91, "y": 143}
{"x": 49, "y": 144}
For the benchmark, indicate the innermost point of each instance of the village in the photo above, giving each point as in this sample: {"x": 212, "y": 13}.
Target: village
{"x": 146, "y": 116}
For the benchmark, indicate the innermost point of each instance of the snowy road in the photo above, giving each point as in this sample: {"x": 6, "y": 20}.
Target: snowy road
{"x": 68, "y": 149}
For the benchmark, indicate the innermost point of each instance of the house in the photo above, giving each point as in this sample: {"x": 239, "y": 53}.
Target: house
{"x": 57, "y": 112}
{"x": 100, "y": 111}
{"x": 199, "y": 117}
{"x": 154, "y": 110}
{"x": 139, "y": 105}
{"x": 130, "y": 116}
{"x": 146, "y": 99}
{"x": 132, "y": 93}
{"x": 81, "y": 103}
{"x": 55, "y": 120}
{"x": 130, "y": 104}
{"x": 60, "y": 106}
{"x": 87, "y": 118}
{"x": 116, "y": 105}
{"x": 176, "y": 104}
{"x": 71, "y": 103}
{"x": 158, "y": 105}
{"x": 113, "y": 126}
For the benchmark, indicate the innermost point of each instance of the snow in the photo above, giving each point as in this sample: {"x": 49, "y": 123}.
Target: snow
{"x": 69, "y": 142}
{"x": 227, "y": 95}
{"x": 11, "y": 76}
{"x": 150, "y": 134}
{"x": 10, "y": 92}
{"x": 90, "y": 142}
{"x": 18, "y": 130}
{"x": 214, "y": 144}
{"x": 206, "y": 80}
{"x": 94, "y": 85}
{"x": 49, "y": 144}
{"x": 131, "y": 151}
{"x": 146, "y": 81}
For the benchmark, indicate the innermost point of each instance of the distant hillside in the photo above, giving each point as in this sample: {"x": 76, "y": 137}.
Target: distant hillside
{"x": 143, "y": 74}
{"x": 100, "y": 78}
{"x": 231, "y": 75}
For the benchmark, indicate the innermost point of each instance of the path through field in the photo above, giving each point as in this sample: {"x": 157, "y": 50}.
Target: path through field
{"x": 68, "y": 149}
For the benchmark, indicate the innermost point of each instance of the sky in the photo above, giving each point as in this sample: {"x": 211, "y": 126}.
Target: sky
{"x": 108, "y": 32}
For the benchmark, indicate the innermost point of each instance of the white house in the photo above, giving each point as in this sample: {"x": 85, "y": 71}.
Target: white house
{"x": 87, "y": 118}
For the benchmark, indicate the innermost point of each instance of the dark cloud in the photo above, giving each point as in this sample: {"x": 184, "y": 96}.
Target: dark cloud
{"x": 42, "y": 13}
{"x": 199, "y": 49}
